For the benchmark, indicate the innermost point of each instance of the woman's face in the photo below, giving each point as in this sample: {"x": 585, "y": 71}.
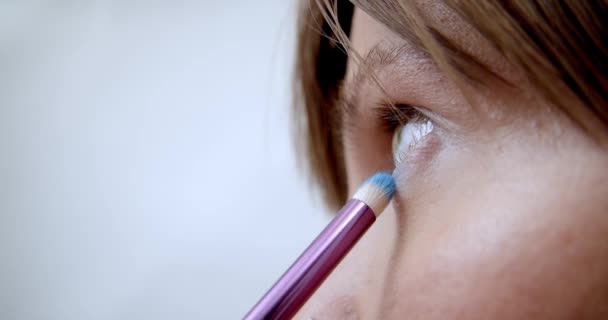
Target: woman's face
{"x": 501, "y": 211}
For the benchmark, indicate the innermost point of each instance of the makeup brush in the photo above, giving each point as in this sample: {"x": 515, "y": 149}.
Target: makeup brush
{"x": 305, "y": 275}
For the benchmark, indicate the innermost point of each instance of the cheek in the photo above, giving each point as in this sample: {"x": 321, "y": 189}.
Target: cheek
{"x": 491, "y": 269}
{"x": 479, "y": 239}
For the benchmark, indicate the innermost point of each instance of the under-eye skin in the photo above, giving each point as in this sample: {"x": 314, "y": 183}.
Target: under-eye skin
{"x": 407, "y": 137}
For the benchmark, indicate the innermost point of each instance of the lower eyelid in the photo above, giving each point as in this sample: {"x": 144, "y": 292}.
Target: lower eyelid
{"x": 419, "y": 162}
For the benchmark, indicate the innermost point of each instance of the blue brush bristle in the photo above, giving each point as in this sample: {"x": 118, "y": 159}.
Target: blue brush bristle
{"x": 385, "y": 181}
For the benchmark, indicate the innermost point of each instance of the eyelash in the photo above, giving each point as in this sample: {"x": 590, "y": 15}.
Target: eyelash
{"x": 394, "y": 116}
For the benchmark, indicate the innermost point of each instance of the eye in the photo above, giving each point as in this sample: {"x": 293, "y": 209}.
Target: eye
{"x": 409, "y": 135}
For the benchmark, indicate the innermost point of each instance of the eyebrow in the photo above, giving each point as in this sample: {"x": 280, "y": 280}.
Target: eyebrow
{"x": 382, "y": 57}
{"x": 457, "y": 55}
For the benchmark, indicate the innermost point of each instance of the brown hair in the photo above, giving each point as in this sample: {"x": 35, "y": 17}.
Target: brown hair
{"x": 551, "y": 41}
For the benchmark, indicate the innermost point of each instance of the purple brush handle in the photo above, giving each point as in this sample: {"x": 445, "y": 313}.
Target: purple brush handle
{"x": 301, "y": 280}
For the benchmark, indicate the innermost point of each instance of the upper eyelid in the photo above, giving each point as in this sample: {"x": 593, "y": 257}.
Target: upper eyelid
{"x": 381, "y": 57}
{"x": 392, "y": 116}
{"x": 349, "y": 103}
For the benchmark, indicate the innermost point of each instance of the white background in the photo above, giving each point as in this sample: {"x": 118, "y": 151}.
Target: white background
{"x": 146, "y": 164}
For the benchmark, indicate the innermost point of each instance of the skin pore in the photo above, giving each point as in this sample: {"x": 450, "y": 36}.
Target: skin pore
{"x": 500, "y": 211}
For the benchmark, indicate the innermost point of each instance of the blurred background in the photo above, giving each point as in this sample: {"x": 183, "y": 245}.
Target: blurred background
{"x": 146, "y": 161}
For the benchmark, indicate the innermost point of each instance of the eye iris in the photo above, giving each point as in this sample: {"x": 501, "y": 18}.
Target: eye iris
{"x": 407, "y": 137}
